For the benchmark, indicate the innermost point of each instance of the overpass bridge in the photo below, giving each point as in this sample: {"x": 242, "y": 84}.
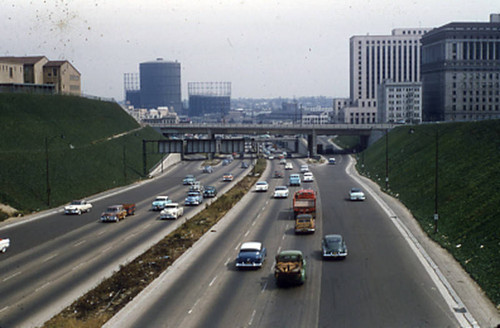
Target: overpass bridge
{"x": 311, "y": 130}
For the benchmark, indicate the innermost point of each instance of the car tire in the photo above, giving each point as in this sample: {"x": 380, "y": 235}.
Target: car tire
{"x": 4, "y": 249}
{"x": 79, "y": 212}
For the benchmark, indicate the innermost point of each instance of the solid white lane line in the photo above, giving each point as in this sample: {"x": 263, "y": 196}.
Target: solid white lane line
{"x": 12, "y": 276}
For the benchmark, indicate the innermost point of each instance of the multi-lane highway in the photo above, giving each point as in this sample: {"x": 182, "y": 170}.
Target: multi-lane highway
{"x": 54, "y": 259}
{"x": 381, "y": 283}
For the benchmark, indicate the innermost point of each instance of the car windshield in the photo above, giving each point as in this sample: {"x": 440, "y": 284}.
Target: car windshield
{"x": 281, "y": 188}
{"x": 262, "y": 183}
{"x": 289, "y": 258}
{"x": 355, "y": 190}
{"x": 333, "y": 242}
{"x": 112, "y": 209}
{"x": 76, "y": 202}
{"x": 193, "y": 194}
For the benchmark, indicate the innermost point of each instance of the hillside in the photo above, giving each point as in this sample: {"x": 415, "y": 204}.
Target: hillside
{"x": 468, "y": 188}
{"x": 86, "y": 149}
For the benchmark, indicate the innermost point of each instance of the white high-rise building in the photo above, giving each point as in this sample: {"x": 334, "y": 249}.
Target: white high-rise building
{"x": 375, "y": 59}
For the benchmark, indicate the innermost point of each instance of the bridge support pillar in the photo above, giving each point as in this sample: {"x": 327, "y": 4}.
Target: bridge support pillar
{"x": 311, "y": 143}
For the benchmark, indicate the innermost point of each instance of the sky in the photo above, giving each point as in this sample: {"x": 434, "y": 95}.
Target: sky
{"x": 265, "y": 48}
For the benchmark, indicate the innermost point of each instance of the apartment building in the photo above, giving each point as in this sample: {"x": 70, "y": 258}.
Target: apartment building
{"x": 38, "y": 74}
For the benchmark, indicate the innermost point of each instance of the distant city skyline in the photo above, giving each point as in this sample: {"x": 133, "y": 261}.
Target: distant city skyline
{"x": 266, "y": 49}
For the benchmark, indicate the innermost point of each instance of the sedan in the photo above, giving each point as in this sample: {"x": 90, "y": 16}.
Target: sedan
{"x": 209, "y": 192}
{"x": 281, "y": 192}
{"x": 244, "y": 165}
{"x": 227, "y": 177}
{"x": 251, "y": 255}
{"x": 334, "y": 246}
{"x": 261, "y": 186}
{"x": 356, "y": 194}
{"x": 189, "y": 180}
{"x": 308, "y": 177}
{"x": 193, "y": 198}
{"x": 208, "y": 169}
{"x": 288, "y": 166}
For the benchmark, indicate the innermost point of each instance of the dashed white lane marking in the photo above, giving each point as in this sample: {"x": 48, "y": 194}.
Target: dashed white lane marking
{"x": 76, "y": 267}
{"x": 252, "y": 317}
{"x": 194, "y": 305}
{"x": 43, "y": 286}
{"x": 50, "y": 257}
{"x": 247, "y": 233}
{"x": 100, "y": 233}
{"x": 227, "y": 261}
{"x": 80, "y": 243}
{"x": 265, "y": 286}
{"x": 3, "y": 309}
{"x": 12, "y": 276}
{"x": 212, "y": 282}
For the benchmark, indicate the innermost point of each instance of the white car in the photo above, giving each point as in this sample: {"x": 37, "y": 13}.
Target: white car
{"x": 308, "y": 177}
{"x": 261, "y": 186}
{"x": 4, "y": 244}
{"x": 304, "y": 168}
{"x": 356, "y": 194}
{"x": 171, "y": 211}
{"x": 78, "y": 207}
{"x": 288, "y": 166}
{"x": 280, "y": 192}
{"x": 332, "y": 161}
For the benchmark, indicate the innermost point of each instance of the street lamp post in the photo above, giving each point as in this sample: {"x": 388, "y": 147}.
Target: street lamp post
{"x": 386, "y": 160}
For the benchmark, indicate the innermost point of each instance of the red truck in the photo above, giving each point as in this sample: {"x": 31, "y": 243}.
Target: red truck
{"x": 304, "y": 202}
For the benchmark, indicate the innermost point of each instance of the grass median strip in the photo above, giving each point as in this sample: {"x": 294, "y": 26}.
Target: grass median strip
{"x": 100, "y": 304}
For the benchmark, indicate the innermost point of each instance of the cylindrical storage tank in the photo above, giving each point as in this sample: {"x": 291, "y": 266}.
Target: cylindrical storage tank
{"x": 161, "y": 84}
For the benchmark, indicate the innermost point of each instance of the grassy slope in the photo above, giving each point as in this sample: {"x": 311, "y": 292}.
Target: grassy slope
{"x": 468, "y": 194}
{"x": 93, "y": 164}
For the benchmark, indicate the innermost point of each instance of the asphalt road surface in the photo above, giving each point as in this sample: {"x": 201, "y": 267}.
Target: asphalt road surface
{"x": 380, "y": 284}
{"x": 54, "y": 259}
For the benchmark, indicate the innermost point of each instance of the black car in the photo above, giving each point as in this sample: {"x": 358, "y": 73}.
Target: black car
{"x": 334, "y": 247}
{"x": 244, "y": 165}
{"x": 210, "y": 191}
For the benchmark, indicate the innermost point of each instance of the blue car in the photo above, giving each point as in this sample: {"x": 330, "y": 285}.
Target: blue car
{"x": 160, "y": 202}
{"x": 193, "y": 198}
{"x": 294, "y": 180}
{"x": 252, "y": 255}
{"x": 189, "y": 180}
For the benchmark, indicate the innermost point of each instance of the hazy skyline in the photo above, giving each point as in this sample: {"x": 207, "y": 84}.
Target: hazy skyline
{"x": 264, "y": 48}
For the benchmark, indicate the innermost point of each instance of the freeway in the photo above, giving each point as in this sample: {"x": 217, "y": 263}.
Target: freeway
{"x": 56, "y": 258}
{"x": 381, "y": 283}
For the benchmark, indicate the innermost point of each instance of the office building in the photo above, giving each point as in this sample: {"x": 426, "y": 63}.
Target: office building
{"x": 399, "y": 102}
{"x": 375, "y": 59}
{"x": 461, "y": 71}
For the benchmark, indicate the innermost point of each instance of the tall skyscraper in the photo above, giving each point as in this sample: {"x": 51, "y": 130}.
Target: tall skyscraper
{"x": 375, "y": 59}
{"x": 461, "y": 71}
